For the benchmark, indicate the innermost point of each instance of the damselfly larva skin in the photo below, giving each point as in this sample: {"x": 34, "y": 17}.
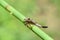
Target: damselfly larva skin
{"x": 30, "y": 21}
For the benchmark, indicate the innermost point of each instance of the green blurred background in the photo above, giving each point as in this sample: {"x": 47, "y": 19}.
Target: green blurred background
{"x": 45, "y": 12}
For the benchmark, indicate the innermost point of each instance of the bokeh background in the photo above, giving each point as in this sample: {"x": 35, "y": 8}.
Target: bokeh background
{"x": 45, "y": 12}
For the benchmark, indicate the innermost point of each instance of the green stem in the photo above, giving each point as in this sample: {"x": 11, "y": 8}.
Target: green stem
{"x": 12, "y": 10}
{"x": 21, "y": 17}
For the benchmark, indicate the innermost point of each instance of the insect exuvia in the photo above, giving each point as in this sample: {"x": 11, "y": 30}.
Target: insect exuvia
{"x": 29, "y": 21}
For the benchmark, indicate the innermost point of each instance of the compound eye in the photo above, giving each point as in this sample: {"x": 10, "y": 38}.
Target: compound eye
{"x": 28, "y": 18}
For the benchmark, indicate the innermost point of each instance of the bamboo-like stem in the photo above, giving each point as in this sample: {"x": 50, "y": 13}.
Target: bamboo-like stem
{"x": 21, "y": 17}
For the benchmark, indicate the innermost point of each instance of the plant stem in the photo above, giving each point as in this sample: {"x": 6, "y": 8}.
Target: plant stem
{"x": 21, "y": 17}
{"x": 12, "y": 10}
